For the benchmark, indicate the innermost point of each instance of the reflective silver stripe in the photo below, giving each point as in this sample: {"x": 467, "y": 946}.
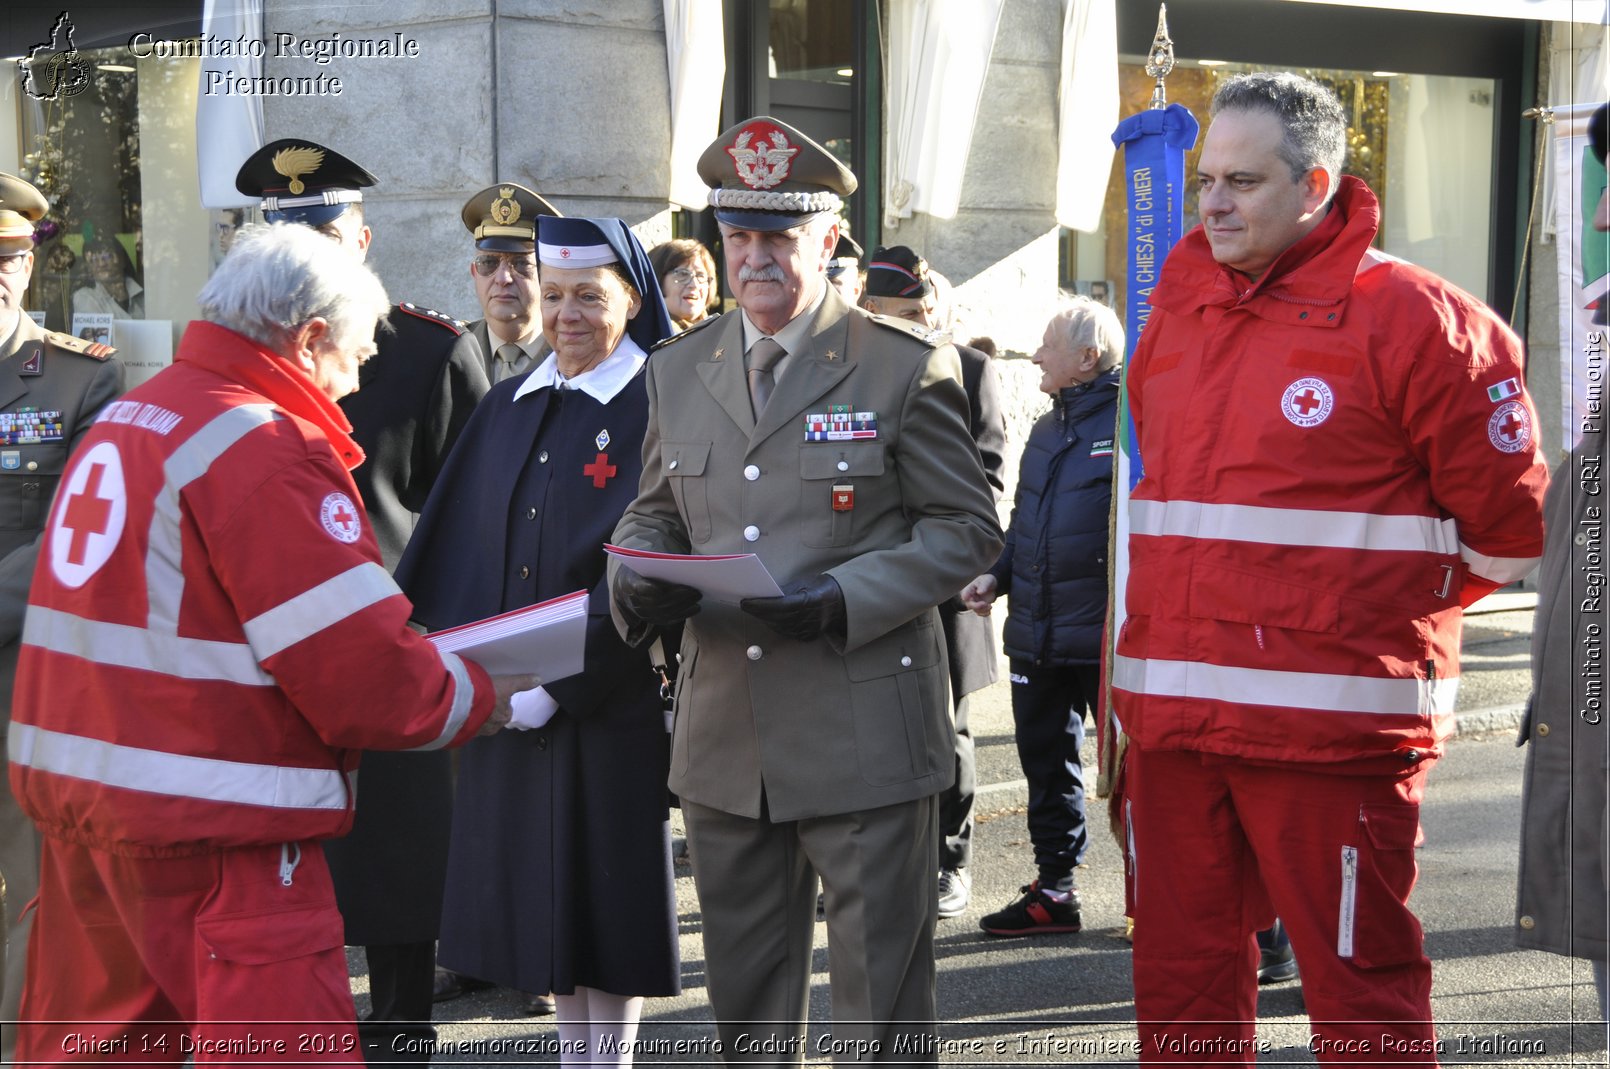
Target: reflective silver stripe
{"x": 313, "y": 610}
{"x": 1501, "y": 570}
{"x": 1318, "y": 691}
{"x": 164, "y": 569}
{"x": 463, "y": 700}
{"x": 138, "y": 647}
{"x": 176, "y": 775}
{"x": 1293, "y": 527}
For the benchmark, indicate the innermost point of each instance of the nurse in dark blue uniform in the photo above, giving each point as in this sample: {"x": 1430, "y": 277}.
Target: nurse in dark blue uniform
{"x": 559, "y": 873}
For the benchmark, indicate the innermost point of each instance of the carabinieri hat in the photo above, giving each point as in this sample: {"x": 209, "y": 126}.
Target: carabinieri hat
{"x": 897, "y": 272}
{"x": 503, "y": 217}
{"x": 302, "y": 181}
{"x": 766, "y": 175}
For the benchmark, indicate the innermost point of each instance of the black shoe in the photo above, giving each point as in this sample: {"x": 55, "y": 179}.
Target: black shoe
{"x": 1276, "y": 961}
{"x": 537, "y": 1005}
{"x": 955, "y": 890}
{"x": 1034, "y": 914}
{"x": 450, "y": 985}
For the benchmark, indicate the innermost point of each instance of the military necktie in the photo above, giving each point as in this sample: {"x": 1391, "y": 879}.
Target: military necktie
{"x": 507, "y": 356}
{"x": 762, "y": 358}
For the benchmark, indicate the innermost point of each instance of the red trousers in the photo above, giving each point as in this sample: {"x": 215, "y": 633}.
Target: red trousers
{"x": 227, "y": 958}
{"x": 1219, "y": 848}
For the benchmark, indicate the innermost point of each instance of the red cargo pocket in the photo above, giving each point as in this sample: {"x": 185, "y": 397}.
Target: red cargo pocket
{"x": 275, "y": 981}
{"x": 1375, "y": 927}
{"x": 276, "y": 935}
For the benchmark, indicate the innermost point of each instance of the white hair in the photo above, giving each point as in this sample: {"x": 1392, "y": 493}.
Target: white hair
{"x": 280, "y": 276}
{"x": 1085, "y": 323}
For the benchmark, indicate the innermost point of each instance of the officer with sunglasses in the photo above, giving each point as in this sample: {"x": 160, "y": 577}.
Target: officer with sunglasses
{"x": 503, "y": 219}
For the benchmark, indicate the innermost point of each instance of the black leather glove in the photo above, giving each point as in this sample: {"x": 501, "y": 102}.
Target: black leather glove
{"x": 653, "y": 601}
{"x": 804, "y": 613}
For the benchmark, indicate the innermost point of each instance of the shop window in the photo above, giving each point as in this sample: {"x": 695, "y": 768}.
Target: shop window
{"x": 125, "y": 246}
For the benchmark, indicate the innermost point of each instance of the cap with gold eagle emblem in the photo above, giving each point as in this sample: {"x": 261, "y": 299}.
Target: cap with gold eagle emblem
{"x": 21, "y": 206}
{"x": 503, "y": 217}
{"x": 302, "y": 181}
{"x": 766, "y": 175}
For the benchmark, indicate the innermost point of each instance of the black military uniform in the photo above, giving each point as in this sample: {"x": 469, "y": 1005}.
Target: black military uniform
{"x": 51, "y": 388}
{"x": 899, "y": 273}
{"x": 413, "y": 399}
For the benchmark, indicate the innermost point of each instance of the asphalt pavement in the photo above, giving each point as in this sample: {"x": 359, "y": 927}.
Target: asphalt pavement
{"x": 1067, "y": 999}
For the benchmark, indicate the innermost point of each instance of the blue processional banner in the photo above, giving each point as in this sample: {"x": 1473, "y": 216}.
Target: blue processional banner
{"x": 1154, "y": 143}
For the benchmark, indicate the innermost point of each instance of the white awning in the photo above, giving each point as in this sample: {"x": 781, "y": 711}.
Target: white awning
{"x": 1543, "y": 10}
{"x": 696, "y": 59}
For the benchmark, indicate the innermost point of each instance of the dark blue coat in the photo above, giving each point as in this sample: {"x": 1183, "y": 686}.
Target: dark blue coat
{"x": 559, "y": 870}
{"x": 1054, "y": 565}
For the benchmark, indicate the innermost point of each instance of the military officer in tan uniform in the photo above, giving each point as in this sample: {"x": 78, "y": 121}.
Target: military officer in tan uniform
{"x": 51, "y": 387}
{"x": 503, "y": 220}
{"x": 813, "y": 730}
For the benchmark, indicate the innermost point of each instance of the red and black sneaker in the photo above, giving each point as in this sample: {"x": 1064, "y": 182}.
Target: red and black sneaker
{"x": 1034, "y": 914}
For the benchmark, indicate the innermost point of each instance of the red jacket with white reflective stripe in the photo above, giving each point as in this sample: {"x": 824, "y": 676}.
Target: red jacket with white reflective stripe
{"x": 1337, "y": 457}
{"x": 211, "y": 636}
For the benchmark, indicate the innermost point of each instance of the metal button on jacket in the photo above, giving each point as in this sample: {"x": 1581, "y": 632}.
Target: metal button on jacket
{"x": 531, "y": 513}
{"x": 844, "y": 465}
{"x": 543, "y": 456}
{"x": 751, "y": 533}
{"x": 751, "y": 473}
{"x": 525, "y": 572}
{"x": 753, "y": 653}
{"x": 905, "y": 662}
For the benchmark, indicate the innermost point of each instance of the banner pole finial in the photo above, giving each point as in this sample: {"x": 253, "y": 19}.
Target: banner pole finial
{"x": 1160, "y": 60}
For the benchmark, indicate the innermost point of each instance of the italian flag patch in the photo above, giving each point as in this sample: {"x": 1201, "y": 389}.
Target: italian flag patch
{"x": 1507, "y": 388}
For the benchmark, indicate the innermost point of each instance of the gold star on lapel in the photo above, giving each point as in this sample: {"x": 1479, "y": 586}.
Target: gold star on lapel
{"x": 718, "y": 354}
{"x": 831, "y": 354}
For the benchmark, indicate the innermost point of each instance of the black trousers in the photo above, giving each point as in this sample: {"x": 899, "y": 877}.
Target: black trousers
{"x": 956, "y": 801}
{"x": 397, "y": 1029}
{"x": 1049, "y": 704}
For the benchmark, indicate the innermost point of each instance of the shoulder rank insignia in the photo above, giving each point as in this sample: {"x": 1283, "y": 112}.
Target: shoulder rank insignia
{"x": 430, "y": 315}
{"x": 700, "y": 325}
{"x": 92, "y": 349}
{"x": 932, "y": 338}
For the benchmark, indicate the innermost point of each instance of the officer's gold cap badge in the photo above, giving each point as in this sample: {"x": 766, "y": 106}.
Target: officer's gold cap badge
{"x": 297, "y": 161}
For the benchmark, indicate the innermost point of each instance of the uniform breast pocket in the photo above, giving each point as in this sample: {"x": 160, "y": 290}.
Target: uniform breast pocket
{"x": 683, "y": 465}
{"x": 26, "y": 488}
{"x": 836, "y": 480}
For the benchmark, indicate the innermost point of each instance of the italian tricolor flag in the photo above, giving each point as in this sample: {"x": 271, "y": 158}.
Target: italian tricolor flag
{"x": 1507, "y": 388}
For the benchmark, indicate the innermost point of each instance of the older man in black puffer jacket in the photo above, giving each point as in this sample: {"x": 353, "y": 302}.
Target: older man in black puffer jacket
{"x": 1054, "y": 568}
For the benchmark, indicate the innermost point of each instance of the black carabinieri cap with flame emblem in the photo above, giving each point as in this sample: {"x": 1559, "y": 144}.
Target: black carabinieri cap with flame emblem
{"x": 766, "y": 175}
{"x": 897, "y": 272}
{"x": 503, "y": 217}
{"x": 302, "y": 181}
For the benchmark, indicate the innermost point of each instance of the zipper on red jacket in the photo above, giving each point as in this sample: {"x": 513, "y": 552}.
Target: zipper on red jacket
{"x": 288, "y": 862}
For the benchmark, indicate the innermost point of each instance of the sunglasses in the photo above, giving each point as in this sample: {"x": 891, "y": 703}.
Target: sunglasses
{"x": 487, "y": 266}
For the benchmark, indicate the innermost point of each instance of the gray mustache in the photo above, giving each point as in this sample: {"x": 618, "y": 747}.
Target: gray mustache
{"x": 769, "y": 273}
